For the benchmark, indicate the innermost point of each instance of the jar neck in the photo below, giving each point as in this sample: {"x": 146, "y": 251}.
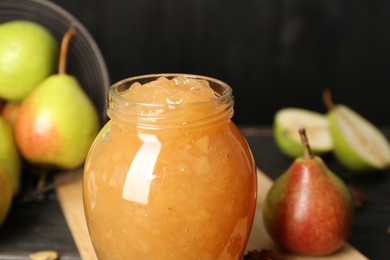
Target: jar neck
{"x": 208, "y": 113}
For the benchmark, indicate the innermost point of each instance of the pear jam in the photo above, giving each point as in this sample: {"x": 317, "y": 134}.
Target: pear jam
{"x": 170, "y": 176}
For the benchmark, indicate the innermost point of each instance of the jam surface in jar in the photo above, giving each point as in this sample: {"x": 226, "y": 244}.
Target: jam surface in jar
{"x": 170, "y": 176}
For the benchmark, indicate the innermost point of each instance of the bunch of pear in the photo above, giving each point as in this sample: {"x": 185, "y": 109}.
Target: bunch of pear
{"x": 357, "y": 143}
{"x": 46, "y": 121}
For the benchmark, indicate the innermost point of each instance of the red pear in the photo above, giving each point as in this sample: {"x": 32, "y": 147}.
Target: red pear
{"x": 309, "y": 209}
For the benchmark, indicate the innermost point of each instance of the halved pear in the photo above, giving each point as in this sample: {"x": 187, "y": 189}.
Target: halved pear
{"x": 288, "y": 121}
{"x": 358, "y": 144}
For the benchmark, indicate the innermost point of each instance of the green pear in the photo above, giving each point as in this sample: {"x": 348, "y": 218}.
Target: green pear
{"x": 288, "y": 120}
{"x": 10, "y": 160}
{"x": 308, "y": 209}
{"x": 6, "y": 194}
{"x": 28, "y": 53}
{"x": 358, "y": 144}
{"x": 57, "y": 122}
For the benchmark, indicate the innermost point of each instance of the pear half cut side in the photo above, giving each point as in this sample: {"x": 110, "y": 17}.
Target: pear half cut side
{"x": 358, "y": 144}
{"x": 288, "y": 121}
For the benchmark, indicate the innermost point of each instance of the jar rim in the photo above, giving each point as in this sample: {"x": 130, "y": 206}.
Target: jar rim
{"x": 225, "y": 89}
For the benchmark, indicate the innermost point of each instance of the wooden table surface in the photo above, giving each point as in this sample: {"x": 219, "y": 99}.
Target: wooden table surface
{"x": 41, "y": 225}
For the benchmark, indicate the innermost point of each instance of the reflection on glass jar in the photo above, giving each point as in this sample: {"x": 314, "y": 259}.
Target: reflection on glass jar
{"x": 170, "y": 176}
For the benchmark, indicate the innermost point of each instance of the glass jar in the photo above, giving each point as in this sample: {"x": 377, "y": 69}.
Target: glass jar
{"x": 174, "y": 182}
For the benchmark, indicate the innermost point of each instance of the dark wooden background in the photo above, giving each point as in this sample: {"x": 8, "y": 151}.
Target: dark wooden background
{"x": 274, "y": 53}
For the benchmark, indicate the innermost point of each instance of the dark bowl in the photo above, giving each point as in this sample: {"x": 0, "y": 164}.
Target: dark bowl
{"x": 85, "y": 60}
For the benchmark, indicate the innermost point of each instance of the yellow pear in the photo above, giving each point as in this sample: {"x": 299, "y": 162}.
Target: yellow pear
{"x": 57, "y": 122}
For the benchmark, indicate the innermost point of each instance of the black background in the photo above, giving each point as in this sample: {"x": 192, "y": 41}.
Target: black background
{"x": 273, "y": 53}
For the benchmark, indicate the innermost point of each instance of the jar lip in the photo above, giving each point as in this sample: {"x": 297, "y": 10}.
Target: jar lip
{"x": 114, "y": 92}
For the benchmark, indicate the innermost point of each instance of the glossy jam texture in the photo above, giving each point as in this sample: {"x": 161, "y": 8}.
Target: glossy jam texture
{"x": 182, "y": 194}
{"x": 179, "y": 90}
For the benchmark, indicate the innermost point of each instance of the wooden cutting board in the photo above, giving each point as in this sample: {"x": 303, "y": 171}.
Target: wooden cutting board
{"x": 70, "y": 198}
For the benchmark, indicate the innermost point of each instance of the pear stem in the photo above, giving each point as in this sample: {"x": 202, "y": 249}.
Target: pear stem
{"x": 305, "y": 142}
{"x": 64, "y": 50}
{"x": 327, "y": 99}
